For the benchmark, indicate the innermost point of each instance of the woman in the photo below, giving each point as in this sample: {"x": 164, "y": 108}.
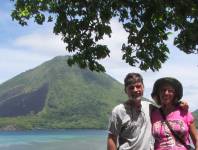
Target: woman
{"x": 167, "y": 92}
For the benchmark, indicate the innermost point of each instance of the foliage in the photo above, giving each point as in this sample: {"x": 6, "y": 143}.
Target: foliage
{"x": 195, "y": 114}
{"x": 148, "y": 23}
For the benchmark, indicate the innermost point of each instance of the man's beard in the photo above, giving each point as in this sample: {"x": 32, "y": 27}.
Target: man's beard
{"x": 135, "y": 98}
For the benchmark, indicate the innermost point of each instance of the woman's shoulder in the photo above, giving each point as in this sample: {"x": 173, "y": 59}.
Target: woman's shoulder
{"x": 154, "y": 109}
{"x": 186, "y": 115}
{"x": 155, "y": 115}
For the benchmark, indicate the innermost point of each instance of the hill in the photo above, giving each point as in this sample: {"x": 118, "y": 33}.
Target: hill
{"x": 195, "y": 113}
{"x": 54, "y": 95}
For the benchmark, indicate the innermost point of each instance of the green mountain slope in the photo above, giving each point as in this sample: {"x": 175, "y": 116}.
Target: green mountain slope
{"x": 195, "y": 114}
{"x": 54, "y": 95}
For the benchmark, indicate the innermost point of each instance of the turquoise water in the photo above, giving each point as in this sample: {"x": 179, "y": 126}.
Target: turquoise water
{"x": 54, "y": 140}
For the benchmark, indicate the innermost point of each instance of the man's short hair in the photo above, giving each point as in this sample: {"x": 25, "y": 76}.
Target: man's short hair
{"x": 132, "y": 78}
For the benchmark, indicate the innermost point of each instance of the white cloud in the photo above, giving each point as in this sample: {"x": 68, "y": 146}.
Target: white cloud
{"x": 14, "y": 61}
{"x": 116, "y": 40}
{"x": 43, "y": 43}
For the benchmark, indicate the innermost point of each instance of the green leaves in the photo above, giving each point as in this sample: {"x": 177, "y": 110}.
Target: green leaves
{"x": 148, "y": 24}
{"x": 40, "y": 18}
{"x": 87, "y": 58}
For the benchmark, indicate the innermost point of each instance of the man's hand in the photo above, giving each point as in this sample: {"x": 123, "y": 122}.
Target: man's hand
{"x": 184, "y": 105}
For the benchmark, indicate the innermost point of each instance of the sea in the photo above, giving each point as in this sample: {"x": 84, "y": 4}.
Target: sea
{"x": 69, "y": 139}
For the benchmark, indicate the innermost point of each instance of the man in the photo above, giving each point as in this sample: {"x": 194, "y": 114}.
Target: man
{"x": 129, "y": 123}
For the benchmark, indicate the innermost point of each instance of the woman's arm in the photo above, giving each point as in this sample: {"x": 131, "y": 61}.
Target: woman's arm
{"x": 112, "y": 142}
{"x": 194, "y": 134}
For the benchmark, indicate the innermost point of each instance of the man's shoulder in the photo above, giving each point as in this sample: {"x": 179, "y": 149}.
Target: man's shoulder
{"x": 118, "y": 107}
{"x": 149, "y": 103}
{"x": 145, "y": 100}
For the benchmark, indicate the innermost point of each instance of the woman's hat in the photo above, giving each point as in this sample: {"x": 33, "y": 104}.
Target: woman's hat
{"x": 167, "y": 80}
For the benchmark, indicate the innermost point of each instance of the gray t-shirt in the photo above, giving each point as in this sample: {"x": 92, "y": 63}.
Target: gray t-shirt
{"x": 132, "y": 128}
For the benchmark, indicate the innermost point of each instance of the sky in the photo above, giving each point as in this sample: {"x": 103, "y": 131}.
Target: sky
{"x": 23, "y": 48}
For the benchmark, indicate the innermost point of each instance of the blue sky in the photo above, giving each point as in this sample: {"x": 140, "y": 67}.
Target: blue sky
{"x": 23, "y": 48}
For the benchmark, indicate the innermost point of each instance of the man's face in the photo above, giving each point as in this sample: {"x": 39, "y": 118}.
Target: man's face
{"x": 135, "y": 90}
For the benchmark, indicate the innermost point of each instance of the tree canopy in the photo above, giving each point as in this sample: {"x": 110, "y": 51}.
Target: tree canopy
{"x": 82, "y": 23}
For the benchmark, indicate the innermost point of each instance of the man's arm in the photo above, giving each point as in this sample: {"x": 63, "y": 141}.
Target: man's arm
{"x": 111, "y": 142}
{"x": 183, "y": 105}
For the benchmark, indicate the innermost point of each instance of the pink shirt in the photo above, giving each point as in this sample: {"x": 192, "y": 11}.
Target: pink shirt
{"x": 179, "y": 121}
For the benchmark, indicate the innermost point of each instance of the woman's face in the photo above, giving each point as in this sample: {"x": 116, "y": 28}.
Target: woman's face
{"x": 167, "y": 95}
